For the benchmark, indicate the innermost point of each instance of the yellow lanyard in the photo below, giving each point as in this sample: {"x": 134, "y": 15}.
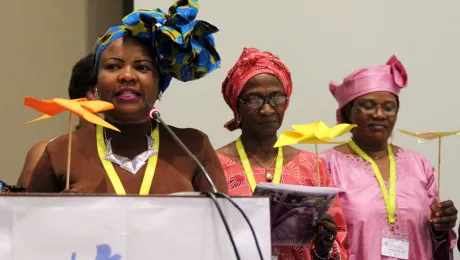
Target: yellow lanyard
{"x": 248, "y": 169}
{"x": 113, "y": 176}
{"x": 388, "y": 197}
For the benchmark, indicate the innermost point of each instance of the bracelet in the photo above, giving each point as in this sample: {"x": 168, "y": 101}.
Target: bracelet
{"x": 434, "y": 235}
{"x": 322, "y": 258}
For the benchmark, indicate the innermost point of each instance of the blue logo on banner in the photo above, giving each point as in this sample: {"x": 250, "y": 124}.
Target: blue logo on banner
{"x": 104, "y": 252}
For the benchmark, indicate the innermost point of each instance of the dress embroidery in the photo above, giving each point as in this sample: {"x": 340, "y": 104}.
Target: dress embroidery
{"x": 416, "y": 190}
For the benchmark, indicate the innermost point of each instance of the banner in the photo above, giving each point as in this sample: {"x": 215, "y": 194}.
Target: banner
{"x": 136, "y": 228}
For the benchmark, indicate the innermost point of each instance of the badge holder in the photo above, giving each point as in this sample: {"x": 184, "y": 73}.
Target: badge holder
{"x": 395, "y": 242}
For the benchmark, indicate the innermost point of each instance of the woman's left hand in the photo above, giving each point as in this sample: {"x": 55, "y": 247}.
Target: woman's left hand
{"x": 443, "y": 216}
{"x": 325, "y": 234}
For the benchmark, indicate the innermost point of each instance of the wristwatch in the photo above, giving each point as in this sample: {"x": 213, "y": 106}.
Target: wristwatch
{"x": 5, "y": 188}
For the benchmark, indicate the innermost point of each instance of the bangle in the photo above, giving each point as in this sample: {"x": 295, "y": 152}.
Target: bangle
{"x": 434, "y": 235}
{"x": 322, "y": 258}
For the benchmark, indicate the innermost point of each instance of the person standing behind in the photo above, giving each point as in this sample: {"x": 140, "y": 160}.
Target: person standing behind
{"x": 386, "y": 190}
{"x": 81, "y": 85}
{"x": 257, "y": 89}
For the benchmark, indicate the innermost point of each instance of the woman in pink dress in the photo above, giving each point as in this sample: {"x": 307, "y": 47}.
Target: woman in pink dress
{"x": 389, "y": 194}
{"x": 257, "y": 89}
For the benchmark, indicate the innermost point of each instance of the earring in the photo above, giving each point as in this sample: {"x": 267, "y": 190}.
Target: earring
{"x": 160, "y": 94}
{"x": 96, "y": 93}
{"x": 238, "y": 119}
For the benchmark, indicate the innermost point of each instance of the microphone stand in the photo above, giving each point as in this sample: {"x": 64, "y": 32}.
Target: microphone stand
{"x": 157, "y": 118}
{"x": 155, "y": 115}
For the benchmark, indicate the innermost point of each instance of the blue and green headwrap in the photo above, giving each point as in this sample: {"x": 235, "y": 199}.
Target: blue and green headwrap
{"x": 184, "y": 48}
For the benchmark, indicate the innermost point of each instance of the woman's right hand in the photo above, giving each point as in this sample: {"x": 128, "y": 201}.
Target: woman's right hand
{"x": 326, "y": 232}
{"x": 71, "y": 191}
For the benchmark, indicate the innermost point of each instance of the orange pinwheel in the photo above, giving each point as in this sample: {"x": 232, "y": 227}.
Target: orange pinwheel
{"x": 81, "y": 107}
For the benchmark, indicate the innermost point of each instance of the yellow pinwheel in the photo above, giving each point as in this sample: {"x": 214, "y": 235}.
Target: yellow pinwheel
{"x": 431, "y": 135}
{"x": 315, "y": 133}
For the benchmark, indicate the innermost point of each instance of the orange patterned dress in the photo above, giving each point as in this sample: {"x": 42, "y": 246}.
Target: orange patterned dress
{"x": 301, "y": 170}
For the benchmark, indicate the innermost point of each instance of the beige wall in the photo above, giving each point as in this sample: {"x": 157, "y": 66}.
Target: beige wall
{"x": 40, "y": 42}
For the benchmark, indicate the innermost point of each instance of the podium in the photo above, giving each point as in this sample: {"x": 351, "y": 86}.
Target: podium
{"x": 101, "y": 227}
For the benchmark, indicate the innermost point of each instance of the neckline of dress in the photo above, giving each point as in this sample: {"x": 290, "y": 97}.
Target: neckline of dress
{"x": 260, "y": 168}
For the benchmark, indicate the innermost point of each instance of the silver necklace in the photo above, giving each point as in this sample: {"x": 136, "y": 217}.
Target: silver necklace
{"x": 380, "y": 157}
{"x": 135, "y": 164}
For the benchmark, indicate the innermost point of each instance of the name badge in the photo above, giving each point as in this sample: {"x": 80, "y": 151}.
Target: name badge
{"x": 396, "y": 246}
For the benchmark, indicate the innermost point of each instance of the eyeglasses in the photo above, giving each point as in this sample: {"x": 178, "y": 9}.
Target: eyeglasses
{"x": 370, "y": 108}
{"x": 258, "y": 102}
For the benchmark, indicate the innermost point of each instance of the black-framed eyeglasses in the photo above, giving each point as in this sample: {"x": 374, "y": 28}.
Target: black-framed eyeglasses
{"x": 258, "y": 102}
{"x": 388, "y": 109}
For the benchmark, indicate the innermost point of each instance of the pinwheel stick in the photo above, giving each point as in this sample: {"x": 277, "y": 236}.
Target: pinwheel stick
{"x": 69, "y": 151}
{"x": 317, "y": 165}
{"x": 439, "y": 169}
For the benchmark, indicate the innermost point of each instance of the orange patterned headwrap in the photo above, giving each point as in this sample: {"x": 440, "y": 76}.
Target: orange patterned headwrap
{"x": 251, "y": 63}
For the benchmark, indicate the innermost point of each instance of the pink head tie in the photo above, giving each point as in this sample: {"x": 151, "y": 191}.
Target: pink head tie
{"x": 251, "y": 63}
{"x": 391, "y": 77}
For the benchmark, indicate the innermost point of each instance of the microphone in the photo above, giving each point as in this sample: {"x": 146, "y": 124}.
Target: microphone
{"x": 155, "y": 115}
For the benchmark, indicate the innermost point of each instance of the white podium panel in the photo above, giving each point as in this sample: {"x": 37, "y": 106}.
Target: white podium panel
{"x": 129, "y": 228}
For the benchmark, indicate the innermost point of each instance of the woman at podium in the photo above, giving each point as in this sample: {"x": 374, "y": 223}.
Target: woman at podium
{"x": 135, "y": 63}
{"x": 257, "y": 89}
{"x": 390, "y": 194}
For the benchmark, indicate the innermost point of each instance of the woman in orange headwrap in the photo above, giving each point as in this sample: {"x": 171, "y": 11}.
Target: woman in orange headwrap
{"x": 257, "y": 89}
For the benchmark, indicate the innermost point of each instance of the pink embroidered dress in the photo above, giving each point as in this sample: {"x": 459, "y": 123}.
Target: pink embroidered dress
{"x": 365, "y": 212}
{"x": 301, "y": 170}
